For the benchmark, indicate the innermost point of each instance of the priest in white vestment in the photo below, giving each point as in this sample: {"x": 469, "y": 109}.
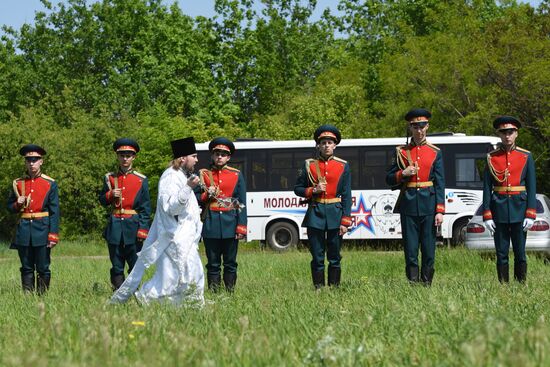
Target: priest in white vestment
{"x": 172, "y": 242}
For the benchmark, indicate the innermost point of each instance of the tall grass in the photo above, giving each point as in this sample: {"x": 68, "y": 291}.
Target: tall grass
{"x": 275, "y": 318}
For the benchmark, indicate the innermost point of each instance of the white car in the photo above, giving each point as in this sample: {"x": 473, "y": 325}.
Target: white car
{"x": 538, "y": 237}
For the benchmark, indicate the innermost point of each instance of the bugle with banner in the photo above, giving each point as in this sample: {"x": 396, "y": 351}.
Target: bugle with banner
{"x": 223, "y": 202}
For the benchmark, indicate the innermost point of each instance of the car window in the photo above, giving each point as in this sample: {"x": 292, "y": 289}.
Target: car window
{"x": 479, "y": 210}
{"x": 540, "y": 208}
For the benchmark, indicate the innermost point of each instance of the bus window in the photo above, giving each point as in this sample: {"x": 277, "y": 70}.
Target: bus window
{"x": 204, "y": 160}
{"x": 282, "y": 175}
{"x": 464, "y": 165}
{"x": 376, "y": 164}
{"x": 301, "y": 155}
{"x": 257, "y": 179}
{"x": 467, "y": 170}
{"x": 351, "y": 155}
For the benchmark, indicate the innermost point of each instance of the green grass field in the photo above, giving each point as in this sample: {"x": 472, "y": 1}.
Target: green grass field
{"x": 276, "y": 319}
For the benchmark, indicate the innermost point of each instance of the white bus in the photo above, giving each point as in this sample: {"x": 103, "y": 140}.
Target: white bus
{"x": 275, "y": 214}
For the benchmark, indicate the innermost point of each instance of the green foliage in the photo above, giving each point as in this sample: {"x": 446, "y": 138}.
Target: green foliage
{"x": 120, "y": 56}
{"x": 264, "y": 58}
{"x": 275, "y": 318}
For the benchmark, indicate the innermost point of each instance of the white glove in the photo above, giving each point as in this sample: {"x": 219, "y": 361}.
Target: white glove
{"x": 527, "y": 224}
{"x": 490, "y": 225}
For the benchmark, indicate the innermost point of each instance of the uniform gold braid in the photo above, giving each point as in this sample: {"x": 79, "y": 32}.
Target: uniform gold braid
{"x": 201, "y": 179}
{"x": 108, "y": 181}
{"x": 495, "y": 172}
{"x": 320, "y": 178}
{"x": 435, "y": 148}
{"x": 15, "y": 190}
{"x": 308, "y": 171}
{"x": 202, "y": 182}
{"x": 117, "y": 201}
{"x": 400, "y": 161}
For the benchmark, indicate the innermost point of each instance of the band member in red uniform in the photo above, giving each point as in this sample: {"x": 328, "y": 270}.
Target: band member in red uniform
{"x": 223, "y": 196}
{"x": 35, "y": 198}
{"x": 509, "y": 202}
{"x": 326, "y": 182}
{"x": 418, "y": 171}
{"x": 127, "y": 193}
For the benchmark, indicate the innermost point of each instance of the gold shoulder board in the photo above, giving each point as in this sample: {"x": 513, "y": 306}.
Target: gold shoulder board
{"x": 46, "y": 177}
{"x": 232, "y": 168}
{"x": 339, "y": 160}
{"x": 399, "y": 148}
{"x": 432, "y": 146}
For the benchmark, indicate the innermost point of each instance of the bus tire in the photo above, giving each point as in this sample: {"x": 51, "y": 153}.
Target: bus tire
{"x": 282, "y": 236}
{"x": 459, "y": 231}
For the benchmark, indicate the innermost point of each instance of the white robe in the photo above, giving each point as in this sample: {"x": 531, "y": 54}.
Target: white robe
{"x": 172, "y": 245}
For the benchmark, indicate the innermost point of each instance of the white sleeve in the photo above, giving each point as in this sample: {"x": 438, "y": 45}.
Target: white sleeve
{"x": 185, "y": 194}
{"x": 173, "y": 196}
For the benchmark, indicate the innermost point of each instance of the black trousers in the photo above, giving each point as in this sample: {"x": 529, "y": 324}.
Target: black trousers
{"x": 218, "y": 249}
{"x": 506, "y": 233}
{"x": 122, "y": 254}
{"x": 35, "y": 259}
{"x": 418, "y": 231}
{"x": 323, "y": 241}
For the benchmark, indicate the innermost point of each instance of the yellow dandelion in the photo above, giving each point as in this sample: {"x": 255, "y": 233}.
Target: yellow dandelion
{"x": 131, "y": 336}
{"x": 138, "y": 323}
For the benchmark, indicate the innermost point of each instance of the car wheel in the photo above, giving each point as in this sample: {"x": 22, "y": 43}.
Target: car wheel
{"x": 281, "y": 236}
{"x": 459, "y": 231}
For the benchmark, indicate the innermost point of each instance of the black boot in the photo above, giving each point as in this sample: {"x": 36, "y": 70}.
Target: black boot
{"x": 318, "y": 278}
{"x": 27, "y": 282}
{"x": 412, "y": 274}
{"x": 502, "y": 273}
{"x": 214, "y": 281}
{"x": 520, "y": 272}
{"x": 42, "y": 284}
{"x": 116, "y": 281}
{"x": 229, "y": 279}
{"x": 334, "y": 276}
{"x": 427, "y": 276}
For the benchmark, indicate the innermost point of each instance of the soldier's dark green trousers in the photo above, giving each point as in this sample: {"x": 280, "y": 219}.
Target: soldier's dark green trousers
{"x": 216, "y": 248}
{"x": 419, "y": 231}
{"x": 122, "y": 254}
{"x": 506, "y": 232}
{"x": 35, "y": 259}
{"x": 321, "y": 242}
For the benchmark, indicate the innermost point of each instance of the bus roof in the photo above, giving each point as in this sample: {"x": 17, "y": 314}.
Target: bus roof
{"x": 282, "y": 144}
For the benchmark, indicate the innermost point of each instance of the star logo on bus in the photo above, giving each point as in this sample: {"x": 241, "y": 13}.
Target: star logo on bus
{"x": 362, "y": 216}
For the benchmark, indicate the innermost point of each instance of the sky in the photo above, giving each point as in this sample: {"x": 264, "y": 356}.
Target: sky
{"x": 15, "y": 13}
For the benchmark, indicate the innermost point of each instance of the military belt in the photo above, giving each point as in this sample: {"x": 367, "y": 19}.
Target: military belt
{"x": 217, "y": 207}
{"x": 508, "y": 188}
{"x": 124, "y": 211}
{"x": 327, "y": 201}
{"x": 34, "y": 215}
{"x": 420, "y": 184}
